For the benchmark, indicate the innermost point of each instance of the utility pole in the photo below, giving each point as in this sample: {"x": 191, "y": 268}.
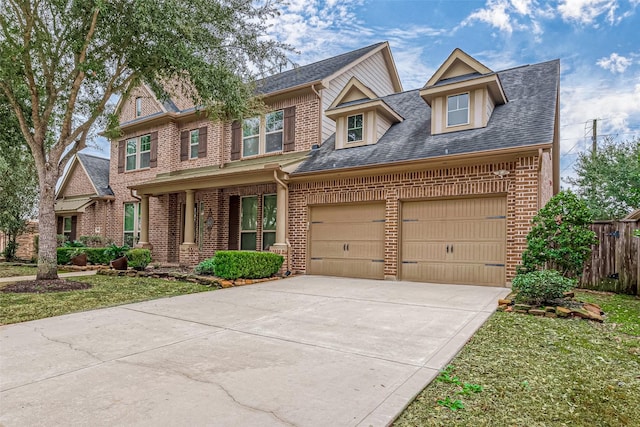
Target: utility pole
{"x": 594, "y": 137}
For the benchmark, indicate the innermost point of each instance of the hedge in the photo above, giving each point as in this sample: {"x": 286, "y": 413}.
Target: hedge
{"x": 138, "y": 258}
{"x": 246, "y": 264}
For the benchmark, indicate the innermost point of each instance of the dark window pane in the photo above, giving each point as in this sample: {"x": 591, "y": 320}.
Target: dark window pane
{"x": 275, "y": 121}
{"x": 274, "y": 142}
{"x": 131, "y": 162}
{"x": 268, "y": 239}
{"x": 144, "y": 159}
{"x": 145, "y": 143}
{"x": 248, "y": 241}
{"x": 249, "y": 213}
{"x": 251, "y": 127}
{"x": 354, "y": 135}
{"x": 250, "y": 146}
{"x": 269, "y": 212}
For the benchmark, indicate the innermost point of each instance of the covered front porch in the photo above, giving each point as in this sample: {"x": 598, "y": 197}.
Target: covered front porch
{"x": 187, "y": 216}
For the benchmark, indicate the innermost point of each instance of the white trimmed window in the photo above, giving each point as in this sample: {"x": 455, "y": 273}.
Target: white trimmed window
{"x": 138, "y": 107}
{"x": 194, "y": 143}
{"x": 138, "y": 152}
{"x": 248, "y": 223}
{"x": 262, "y": 135}
{"x": 269, "y": 216}
{"x": 66, "y": 227}
{"x": 354, "y": 128}
{"x": 458, "y": 109}
{"x": 131, "y": 229}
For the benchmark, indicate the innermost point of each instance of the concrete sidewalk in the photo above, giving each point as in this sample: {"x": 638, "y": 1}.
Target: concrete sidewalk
{"x": 305, "y": 351}
{"x": 62, "y": 275}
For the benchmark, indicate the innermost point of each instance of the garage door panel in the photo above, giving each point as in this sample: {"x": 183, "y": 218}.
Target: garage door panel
{"x": 454, "y": 240}
{"x": 347, "y": 240}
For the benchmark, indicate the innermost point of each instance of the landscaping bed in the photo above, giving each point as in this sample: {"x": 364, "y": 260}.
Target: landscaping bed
{"x": 540, "y": 371}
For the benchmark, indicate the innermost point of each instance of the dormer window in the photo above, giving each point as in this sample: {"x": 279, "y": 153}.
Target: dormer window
{"x": 458, "y": 110}
{"x": 354, "y": 128}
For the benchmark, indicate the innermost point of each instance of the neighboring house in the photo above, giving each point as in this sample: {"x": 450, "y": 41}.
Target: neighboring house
{"x": 27, "y": 242}
{"x": 84, "y": 199}
{"x": 347, "y": 175}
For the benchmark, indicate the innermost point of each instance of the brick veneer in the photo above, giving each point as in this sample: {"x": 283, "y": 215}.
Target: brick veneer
{"x": 519, "y": 187}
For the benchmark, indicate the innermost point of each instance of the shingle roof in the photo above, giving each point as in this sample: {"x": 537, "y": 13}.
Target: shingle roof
{"x": 527, "y": 119}
{"x": 310, "y": 72}
{"x": 98, "y": 170}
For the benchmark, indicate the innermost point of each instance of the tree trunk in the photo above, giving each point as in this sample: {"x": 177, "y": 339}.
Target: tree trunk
{"x": 47, "y": 255}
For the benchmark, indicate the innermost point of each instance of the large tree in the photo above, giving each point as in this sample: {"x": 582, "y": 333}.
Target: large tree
{"x": 609, "y": 180}
{"x": 73, "y": 57}
{"x": 18, "y": 184}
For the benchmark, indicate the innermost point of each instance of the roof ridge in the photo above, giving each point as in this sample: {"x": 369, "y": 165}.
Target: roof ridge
{"x": 94, "y": 156}
{"x": 528, "y": 65}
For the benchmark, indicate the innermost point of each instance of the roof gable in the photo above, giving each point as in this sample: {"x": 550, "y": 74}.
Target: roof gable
{"x": 93, "y": 169}
{"x": 354, "y": 90}
{"x": 457, "y": 64}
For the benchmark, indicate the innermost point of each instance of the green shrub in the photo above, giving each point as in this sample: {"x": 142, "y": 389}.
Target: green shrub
{"x": 542, "y": 285}
{"x": 206, "y": 267}
{"x": 97, "y": 256}
{"x": 74, "y": 244}
{"x": 246, "y": 264}
{"x": 560, "y": 238}
{"x": 138, "y": 258}
{"x": 114, "y": 251}
{"x": 64, "y": 255}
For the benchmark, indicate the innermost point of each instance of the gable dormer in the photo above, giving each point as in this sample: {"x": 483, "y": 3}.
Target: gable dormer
{"x": 141, "y": 103}
{"x": 462, "y": 94}
{"x": 361, "y": 116}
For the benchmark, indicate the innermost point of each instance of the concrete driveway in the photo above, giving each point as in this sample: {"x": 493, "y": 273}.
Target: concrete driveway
{"x": 305, "y": 351}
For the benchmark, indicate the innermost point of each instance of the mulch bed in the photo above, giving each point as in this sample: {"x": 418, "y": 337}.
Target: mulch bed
{"x": 43, "y": 286}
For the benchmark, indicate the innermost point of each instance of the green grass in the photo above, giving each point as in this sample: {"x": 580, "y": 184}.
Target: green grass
{"x": 107, "y": 291}
{"x": 7, "y": 270}
{"x": 543, "y": 372}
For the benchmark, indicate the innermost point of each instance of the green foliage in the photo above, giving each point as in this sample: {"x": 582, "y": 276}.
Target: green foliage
{"x": 114, "y": 251}
{"x": 74, "y": 244}
{"x": 246, "y": 264}
{"x": 453, "y": 404}
{"x": 95, "y": 241}
{"x": 9, "y": 252}
{"x": 139, "y": 258}
{"x": 560, "y": 238}
{"x": 468, "y": 389}
{"x": 541, "y": 285}
{"x": 446, "y": 376}
{"x": 206, "y": 267}
{"x": 97, "y": 256}
{"x": 64, "y": 255}
{"x": 609, "y": 181}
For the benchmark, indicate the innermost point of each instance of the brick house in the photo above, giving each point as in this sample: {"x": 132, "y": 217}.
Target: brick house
{"x": 347, "y": 174}
{"x": 84, "y": 199}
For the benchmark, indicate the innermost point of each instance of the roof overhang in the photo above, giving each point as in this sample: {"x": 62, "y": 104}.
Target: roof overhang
{"x": 377, "y": 105}
{"x": 491, "y": 82}
{"x": 73, "y": 205}
{"x": 438, "y": 162}
{"x": 247, "y": 172}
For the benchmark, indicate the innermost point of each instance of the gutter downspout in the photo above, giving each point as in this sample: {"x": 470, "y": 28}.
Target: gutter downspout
{"x": 313, "y": 88}
{"x": 540, "y": 152}
{"x": 285, "y": 186}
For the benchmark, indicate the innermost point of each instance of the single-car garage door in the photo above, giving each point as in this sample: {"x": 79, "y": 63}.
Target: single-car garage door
{"x": 347, "y": 240}
{"x": 455, "y": 241}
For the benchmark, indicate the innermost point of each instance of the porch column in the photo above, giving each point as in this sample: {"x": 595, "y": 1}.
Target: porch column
{"x": 189, "y": 225}
{"x": 281, "y": 216}
{"x": 144, "y": 220}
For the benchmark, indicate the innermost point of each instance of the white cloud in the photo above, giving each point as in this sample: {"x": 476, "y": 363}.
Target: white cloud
{"x": 586, "y": 11}
{"x": 615, "y": 63}
{"x": 495, "y": 14}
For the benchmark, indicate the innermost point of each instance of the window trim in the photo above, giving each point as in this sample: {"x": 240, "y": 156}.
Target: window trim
{"x": 137, "y": 153}
{"x": 67, "y": 233}
{"x": 459, "y": 109}
{"x": 280, "y": 131}
{"x": 355, "y": 141}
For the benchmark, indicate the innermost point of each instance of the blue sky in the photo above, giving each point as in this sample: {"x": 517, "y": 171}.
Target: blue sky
{"x": 597, "y": 41}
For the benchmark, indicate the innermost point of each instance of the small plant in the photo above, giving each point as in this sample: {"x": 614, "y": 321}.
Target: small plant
{"x": 540, "y": 286}
{"x": 114, "y": 251}
{"x": 468, "y": 388}
{"x": 446, "y": 376}
{"x": 73, "y": 244}
{"x": 450, "y": 403}
{"x": 139, "y": 258}
{"x": 206, "y": 267}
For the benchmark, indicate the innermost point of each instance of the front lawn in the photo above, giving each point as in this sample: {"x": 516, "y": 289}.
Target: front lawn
{"x": 106, "y": 291}
{"x": 8, "y": 270}
{"x": 541, "y": 372}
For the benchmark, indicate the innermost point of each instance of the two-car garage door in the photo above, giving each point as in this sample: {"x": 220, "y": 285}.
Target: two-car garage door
{"x": 442, "y": 241}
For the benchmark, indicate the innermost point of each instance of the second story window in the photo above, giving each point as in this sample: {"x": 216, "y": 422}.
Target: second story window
{"x": 194, "y": 143}
{"x": 274, "y": 129}
{"x": 138, "y": 152}
{"x": 354, "y": 128}
{"x": 458, "y": 109}
{"x": 138, "y": 107}
{"x": 251, "y": 137}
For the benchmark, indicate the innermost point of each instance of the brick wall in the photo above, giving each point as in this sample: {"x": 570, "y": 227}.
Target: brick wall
{"x": 519, "y": 186}
{"x": 78, "y": 183}
{"x": 149, "y": 105}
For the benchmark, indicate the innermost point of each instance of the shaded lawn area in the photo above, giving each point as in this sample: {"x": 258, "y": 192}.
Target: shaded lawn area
{"x": 8, "y": 270}
{"x": 106, "y": 291}
{"x": 543, "y": 372}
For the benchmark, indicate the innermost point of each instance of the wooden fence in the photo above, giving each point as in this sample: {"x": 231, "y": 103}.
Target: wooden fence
{"x": 614, "y": 263}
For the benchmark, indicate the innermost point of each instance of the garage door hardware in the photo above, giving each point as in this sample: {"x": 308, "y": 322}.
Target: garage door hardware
{"x": 494, "y": 265}
{"x": 409, "y": 262}
{"x": 496, "y": 217}
{"x": 379, "y": 220}
{"x": 449, "y": 248}
{"x": 377, "y": 260}
{"x": 409, "y": 220}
